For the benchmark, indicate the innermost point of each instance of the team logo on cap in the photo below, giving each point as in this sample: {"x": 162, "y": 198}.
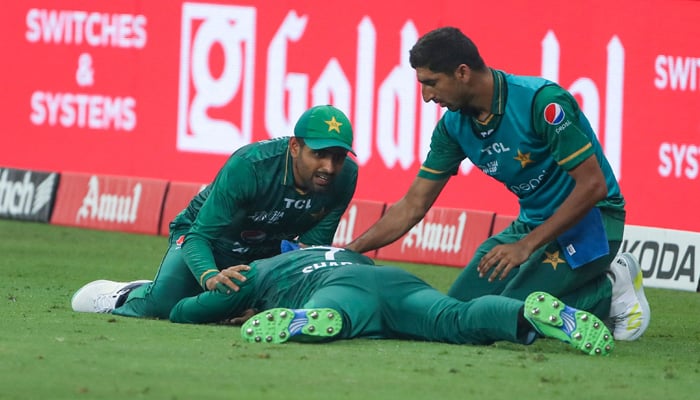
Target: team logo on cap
{"x": 333, "y": 125}
{"x": 554, "y": 114}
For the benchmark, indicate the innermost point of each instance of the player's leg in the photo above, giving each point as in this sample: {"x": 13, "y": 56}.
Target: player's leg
{"x": 468, "y": 284}
{"x": 343, "y": 307}
{"x": 630, "y": 313}
{"x": 172, "y": 283}
{"x": 586, "y": 287}
{"x": 415, "y": 310}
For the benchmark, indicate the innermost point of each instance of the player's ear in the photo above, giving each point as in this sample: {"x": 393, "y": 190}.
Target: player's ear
{"x": 463, "y": 72}
{"x": 295, "y": 145}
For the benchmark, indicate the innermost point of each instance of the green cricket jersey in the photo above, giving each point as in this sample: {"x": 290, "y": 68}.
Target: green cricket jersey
{"x": 291, "y": 278}
{"x": 536, "y": 133}
{"x": 253, "y": 204}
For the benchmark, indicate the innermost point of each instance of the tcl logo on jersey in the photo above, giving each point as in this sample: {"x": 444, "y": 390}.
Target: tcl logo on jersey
{"x": 303, "y": 204}
{"x": 209, "y": 120}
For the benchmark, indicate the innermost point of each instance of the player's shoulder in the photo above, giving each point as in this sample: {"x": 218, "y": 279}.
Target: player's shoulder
{"x": 263, "y": 149}
{"x": 350, "y": 165}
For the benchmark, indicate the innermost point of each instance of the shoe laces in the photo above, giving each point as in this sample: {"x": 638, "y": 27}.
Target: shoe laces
{"x": 107, "y": 302}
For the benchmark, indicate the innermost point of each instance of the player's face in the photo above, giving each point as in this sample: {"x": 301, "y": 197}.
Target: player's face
{"x": 315, "y": 170}
{"x": 446, "y": 90}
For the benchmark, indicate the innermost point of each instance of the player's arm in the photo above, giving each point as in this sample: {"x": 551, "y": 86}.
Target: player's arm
{"x": 222, "y": 207}
{"x": 401, "y": 216}
{"x": 441, "y": 163}
{"x": 574, "y": 152}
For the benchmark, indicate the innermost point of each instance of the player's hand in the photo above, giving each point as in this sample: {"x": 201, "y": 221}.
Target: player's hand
{"x": 223, "y": 281}
{"x": 503, "y": 258}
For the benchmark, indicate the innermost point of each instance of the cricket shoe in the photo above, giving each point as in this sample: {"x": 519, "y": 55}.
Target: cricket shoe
{"x": 581, "y": 329}
{"x": 279, "y": 325}
{"x": 629, "y": 308}
{"x": 102, "y": 296}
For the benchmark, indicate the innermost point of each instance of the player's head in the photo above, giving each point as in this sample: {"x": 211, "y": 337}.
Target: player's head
{"x": 443, "y": 50}
{"x": 325, "y": 126}
{"x": 322, "y": 139}
{"x": 449, "y": 68}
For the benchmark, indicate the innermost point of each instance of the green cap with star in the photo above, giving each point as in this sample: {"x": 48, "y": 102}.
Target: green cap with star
{"x": 324, "y": 126}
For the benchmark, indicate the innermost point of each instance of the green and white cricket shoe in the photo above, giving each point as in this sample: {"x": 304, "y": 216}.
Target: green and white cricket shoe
{"x": 629, "y": 309}
{"x": 102, "y": 296}
{"x": 279, "y": 325}
{"x": 581, "y": 329}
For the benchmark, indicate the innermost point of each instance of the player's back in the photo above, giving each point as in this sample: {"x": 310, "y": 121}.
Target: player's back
{"x": 286, "y": 280}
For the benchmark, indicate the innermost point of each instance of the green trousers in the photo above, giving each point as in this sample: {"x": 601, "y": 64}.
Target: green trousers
{"x": 388, "y": 302}
{"x": 175, "y": 294}
{"x": 586, "y": 287}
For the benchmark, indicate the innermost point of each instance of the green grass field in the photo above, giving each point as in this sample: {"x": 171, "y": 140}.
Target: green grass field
{"x": 49, "y": 352}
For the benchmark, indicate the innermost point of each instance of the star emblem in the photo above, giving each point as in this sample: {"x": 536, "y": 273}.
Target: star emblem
{"x": 333, "y": 125}
{"x": 523, "y": 158}
{"x": 553, "y": 259}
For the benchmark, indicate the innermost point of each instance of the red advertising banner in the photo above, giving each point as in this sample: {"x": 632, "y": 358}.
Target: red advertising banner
{"x": 445, "y": 236}
{"x": 178, "y": 197}
{"x": 359, "y": 216}
{"x": 167, "y": 90}
{"x": 109, "y": 203}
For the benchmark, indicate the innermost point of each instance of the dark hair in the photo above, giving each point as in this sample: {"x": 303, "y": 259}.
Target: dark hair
{"x": 443, "y": 50}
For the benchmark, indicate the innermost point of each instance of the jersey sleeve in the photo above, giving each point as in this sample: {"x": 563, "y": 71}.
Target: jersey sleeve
{"x": 233, "y": 188}
{"x": 322, "y": 233}
{"x": 444, "y": 156}
{"x": 556, "y": 115}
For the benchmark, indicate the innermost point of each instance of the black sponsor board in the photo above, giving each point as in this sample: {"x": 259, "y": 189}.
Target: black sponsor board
{"x": 27, "y": 195}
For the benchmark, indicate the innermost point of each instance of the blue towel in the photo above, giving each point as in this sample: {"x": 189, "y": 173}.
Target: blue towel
{"x": 287, "y": 245}
{"x": 586, "y": 241}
